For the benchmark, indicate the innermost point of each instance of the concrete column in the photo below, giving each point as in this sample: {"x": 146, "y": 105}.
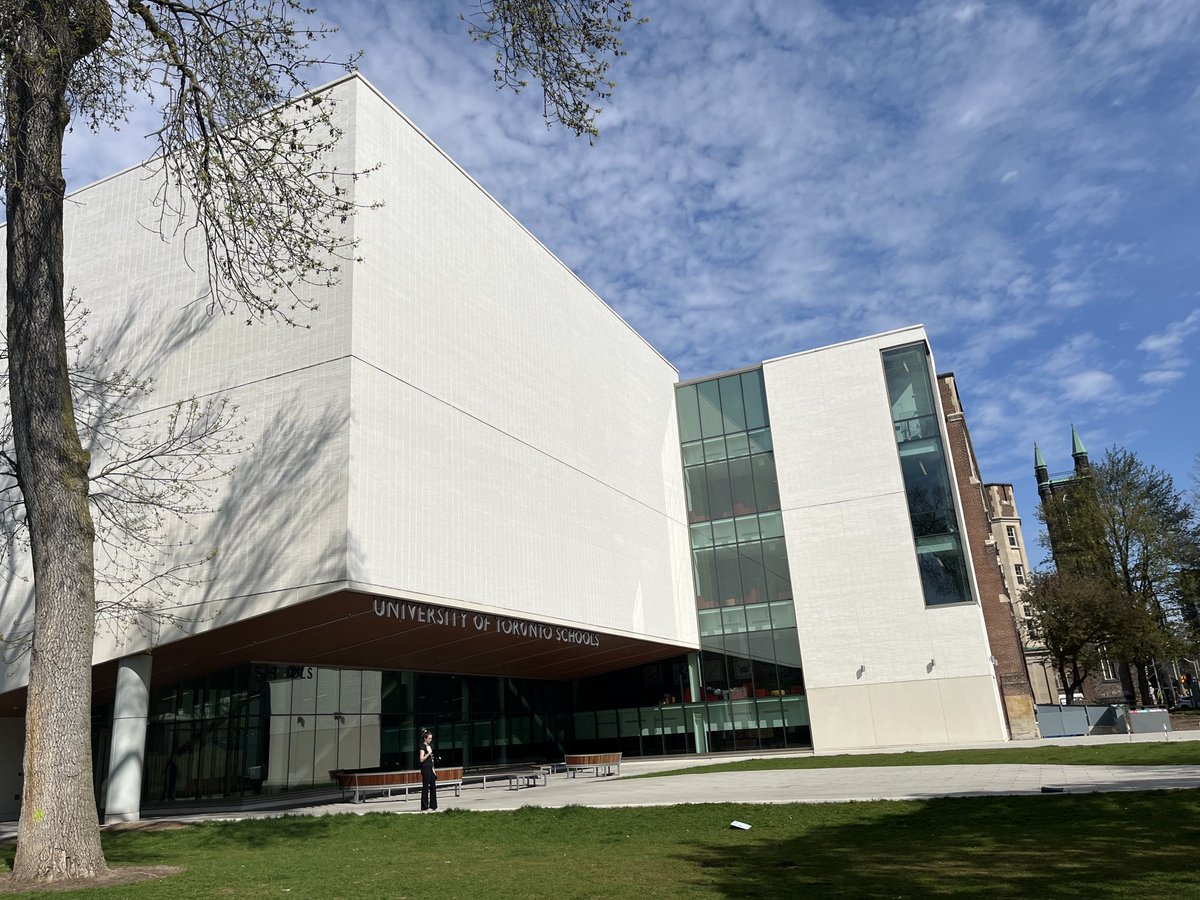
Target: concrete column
{"x": 500, "y": 735}
{"x": 699, "y": 719}
{"x": 130, "y": 710}
{"x": 463, "y": 729}
{"x": 408, "y": 683}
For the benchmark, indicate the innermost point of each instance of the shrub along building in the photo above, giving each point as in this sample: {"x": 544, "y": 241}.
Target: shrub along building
{"x": 478, "y": 501}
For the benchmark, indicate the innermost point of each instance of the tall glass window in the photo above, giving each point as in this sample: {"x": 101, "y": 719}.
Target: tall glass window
{"x": 926, "y": 476}
{"x": 750, "y": 669}
{"x": 264, "y": 728}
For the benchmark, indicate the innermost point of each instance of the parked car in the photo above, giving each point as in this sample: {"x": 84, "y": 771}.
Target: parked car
{"x": 1188, "y": 703}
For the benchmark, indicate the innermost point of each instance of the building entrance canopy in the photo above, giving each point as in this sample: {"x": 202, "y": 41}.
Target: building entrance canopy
{"x": 362, "y": 631}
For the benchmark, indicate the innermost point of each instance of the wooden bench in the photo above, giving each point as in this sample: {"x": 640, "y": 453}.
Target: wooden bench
{"x": 517, "y": 776}
{"x": 529, "y": 778}
{"x": 599, "y": 763}
{"x": 372, "y": 781}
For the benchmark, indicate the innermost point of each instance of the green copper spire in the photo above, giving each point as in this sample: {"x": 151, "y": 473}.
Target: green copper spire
{"x": 1038, "y": 462}
{"x": 1077, "y": 448}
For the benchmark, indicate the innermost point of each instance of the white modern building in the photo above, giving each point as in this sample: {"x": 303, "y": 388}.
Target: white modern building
{"x": 477, "y": 500}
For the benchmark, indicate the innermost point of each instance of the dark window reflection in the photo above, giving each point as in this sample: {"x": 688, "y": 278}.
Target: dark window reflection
{"x": 926, "y": 476}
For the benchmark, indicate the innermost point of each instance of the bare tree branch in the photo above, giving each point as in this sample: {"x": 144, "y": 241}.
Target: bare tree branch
{"x": 252, "y": 178}
{"x": 567, "y": 45}
{"x": 154, "y": 473}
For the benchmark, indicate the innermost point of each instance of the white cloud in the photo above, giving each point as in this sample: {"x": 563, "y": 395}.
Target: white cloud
{"x": 771, "y": 177}
{"x": 967, "y": 12}
{"x": 1161, "y": 377}
{"x": 1090, "y": 385}
{"x": 1169, "y": 343}
{"x": 1170, "y": 351}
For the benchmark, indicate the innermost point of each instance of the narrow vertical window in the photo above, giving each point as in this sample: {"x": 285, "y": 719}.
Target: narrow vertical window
{"x": 926, "y": 473}
{"x": 750, "y": 650}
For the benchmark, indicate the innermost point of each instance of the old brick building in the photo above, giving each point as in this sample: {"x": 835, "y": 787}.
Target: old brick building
{"x": 1013, "y": 559}
{"x": 994, "y": 597}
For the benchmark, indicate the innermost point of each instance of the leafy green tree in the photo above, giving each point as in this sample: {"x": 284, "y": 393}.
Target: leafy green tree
{"x": 1075, "y": 615}
{"x": 1149, "y": 535}
{"x": 1147, "y": 524}
{"x": 241, "y": 162}
{"x": 1124, "y": 521}
{"x": 1189, "y": 587}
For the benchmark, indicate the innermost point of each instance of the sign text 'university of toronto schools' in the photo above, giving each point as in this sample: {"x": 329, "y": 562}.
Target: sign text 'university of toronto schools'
{"x": 422, "y": 614}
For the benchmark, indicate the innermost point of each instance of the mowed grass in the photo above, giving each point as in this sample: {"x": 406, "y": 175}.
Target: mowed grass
{"x": 1096, "y": 845}
{"x": 1173, "y": 753}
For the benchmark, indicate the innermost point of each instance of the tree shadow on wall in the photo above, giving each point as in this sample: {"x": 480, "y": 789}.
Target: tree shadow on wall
{"x": 278, "y": 519}
{"x": 141, "y": 338}
{"x": 282, "y": 523}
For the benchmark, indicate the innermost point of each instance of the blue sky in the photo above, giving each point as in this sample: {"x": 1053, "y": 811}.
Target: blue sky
{"x": 1022, "y": 178}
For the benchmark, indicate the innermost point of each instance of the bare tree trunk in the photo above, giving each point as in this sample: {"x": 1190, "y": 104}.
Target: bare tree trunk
{"x": 1146, "y": 697}
{"x": 1067, "y": 683}
{"x": 58, "y": 835}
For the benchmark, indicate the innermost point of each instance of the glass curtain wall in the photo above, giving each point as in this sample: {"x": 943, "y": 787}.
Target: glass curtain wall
{"x": 926, "y": 476}
{"x": 750, "y": 676}
{"x": 267, "y": 728}
{"x": 203, "y": 739}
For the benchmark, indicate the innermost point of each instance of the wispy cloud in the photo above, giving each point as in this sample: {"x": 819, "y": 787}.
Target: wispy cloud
{"x": 1018, "y": 176}
{"x": 1171, "y": 350}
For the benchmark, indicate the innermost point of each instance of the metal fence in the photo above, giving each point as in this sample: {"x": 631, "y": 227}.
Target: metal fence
{"x": 1074, "y": 721}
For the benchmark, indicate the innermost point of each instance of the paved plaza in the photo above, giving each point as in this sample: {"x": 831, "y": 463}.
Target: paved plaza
{"x": 797, "y": 786}
{"x": 897, "y": 782}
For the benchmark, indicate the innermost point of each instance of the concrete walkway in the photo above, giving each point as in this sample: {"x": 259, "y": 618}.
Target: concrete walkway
{"x": 798, "y": 786}
{"x": 778, "y": 786}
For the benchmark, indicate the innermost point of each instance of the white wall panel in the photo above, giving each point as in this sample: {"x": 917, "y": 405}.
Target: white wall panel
{"x": 280, "y": 532}
{"x": 456, "y": 298}
{"x": 904, "y": 714}
{"x": 508, "y": 441}
{"x": 147, "y": 297}
{"x": 449, "y": 507}
{"x": 861, "y": 614}
{"x": 501, "y": 406}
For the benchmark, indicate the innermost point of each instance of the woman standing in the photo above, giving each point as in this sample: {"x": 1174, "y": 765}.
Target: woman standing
{"x": 428, "y": 776}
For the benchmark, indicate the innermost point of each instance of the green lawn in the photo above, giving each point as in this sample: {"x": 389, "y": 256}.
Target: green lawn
{"x": 1098, "y": 845}
{"x": 1176, "y": 753}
